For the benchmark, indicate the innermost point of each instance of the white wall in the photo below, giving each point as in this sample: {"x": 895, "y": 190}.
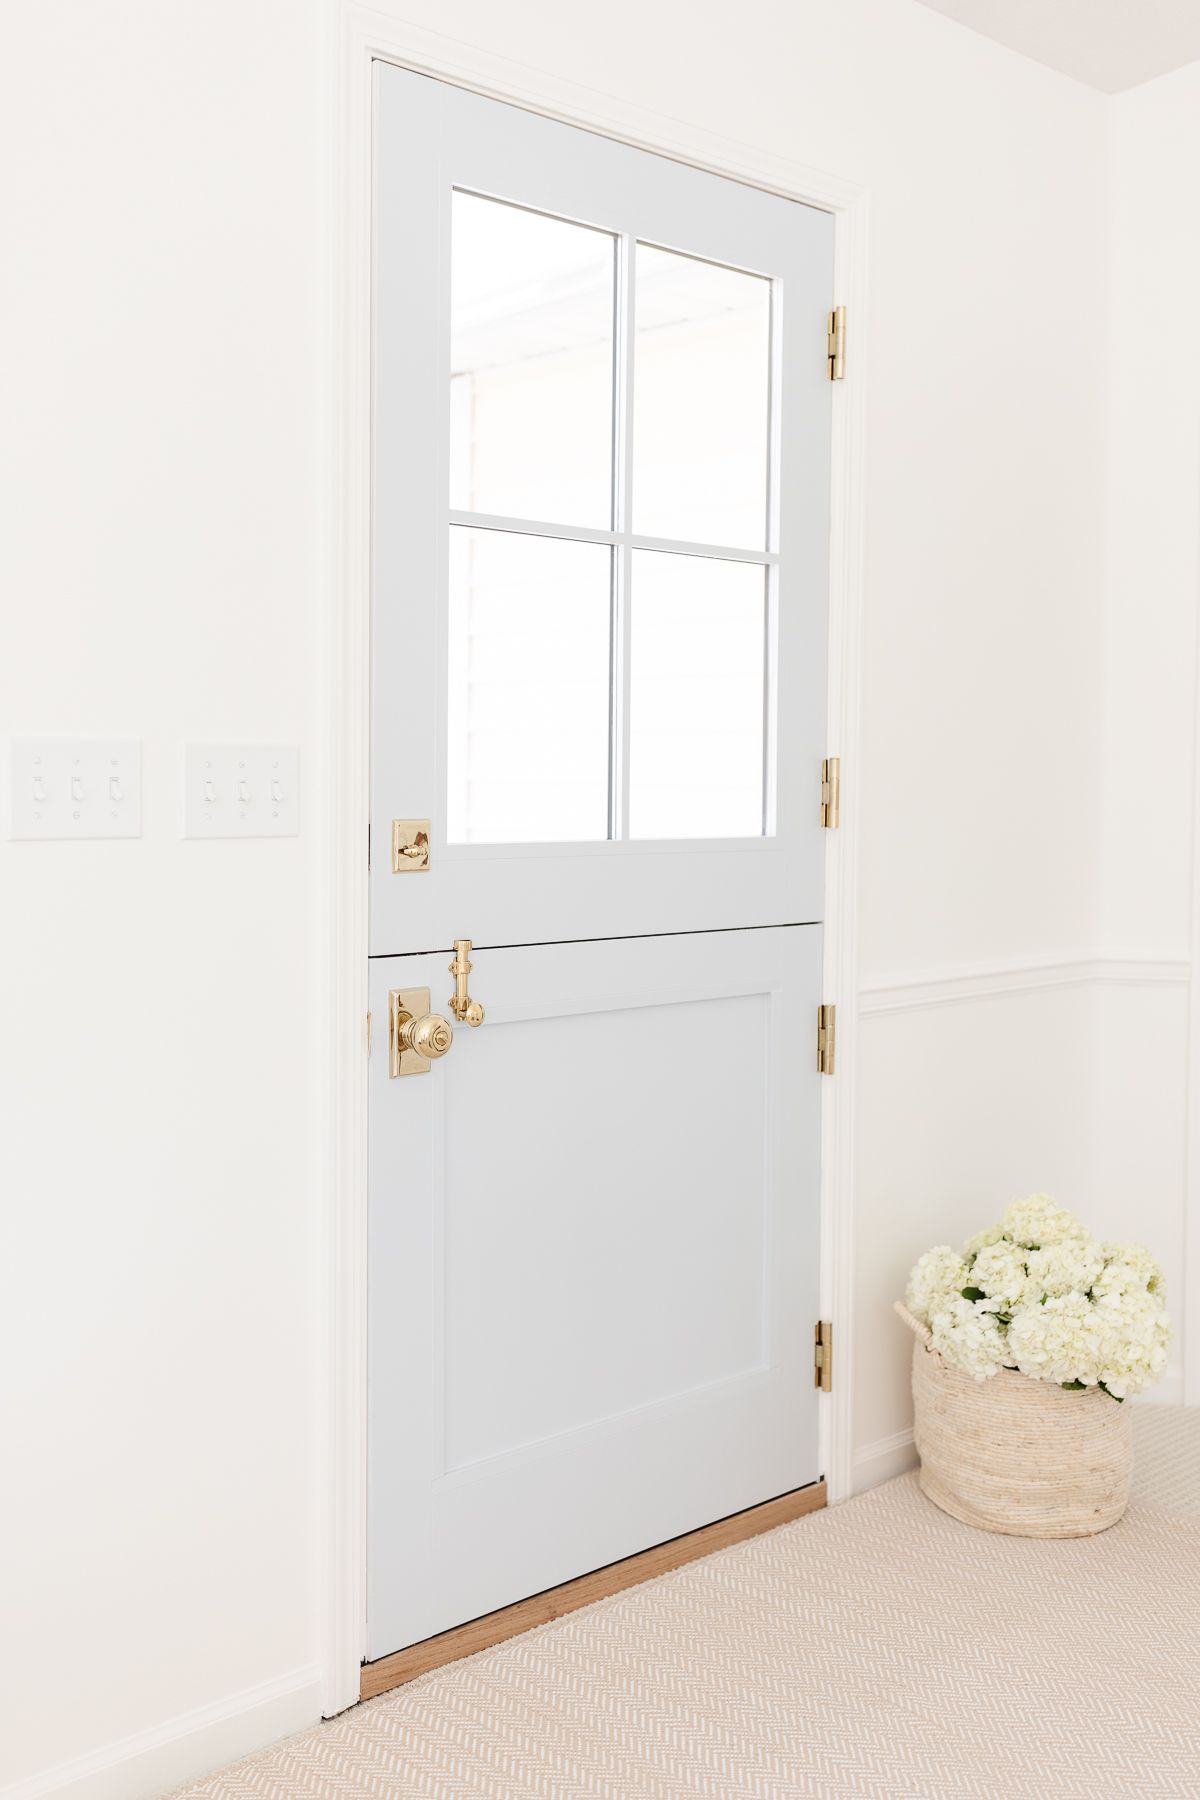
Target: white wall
{"x": 162, "y": 1064}
{"x": 159, "y": 1064}
{"x": 1148, "y": 843}
{"x": 1108, "y": 1031}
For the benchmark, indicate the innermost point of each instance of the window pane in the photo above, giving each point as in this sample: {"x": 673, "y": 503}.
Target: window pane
{"x": 701, "y": 376}
{"x": 697, "y": 706}
{"x": 531, "y": 365}
{"x": 528, "y": 713}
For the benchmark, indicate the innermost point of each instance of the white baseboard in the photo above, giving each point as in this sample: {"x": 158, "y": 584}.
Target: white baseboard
{"x": 884, "y": 1458}
{"x": 147, "y": 1764}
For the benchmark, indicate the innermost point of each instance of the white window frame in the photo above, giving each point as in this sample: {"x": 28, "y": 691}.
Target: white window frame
{"x": 358, "y": 36}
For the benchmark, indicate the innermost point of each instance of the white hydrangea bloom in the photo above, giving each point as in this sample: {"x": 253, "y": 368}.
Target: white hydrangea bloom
{"x": 1038, "y": 1220}
{"x": 982, "y": 1240}
{"x": 1071, "y": 1266}
{"x": 1129, "y": 1269}
{"x": 1134, "y": 1340}
{"x": 1000, "y": 1270}
{"x": 936, "y": 1279}
{"x": 1060, "y": 1339}
{"x": 969, "y": 1338}
{"x": 1048, "y": 1301}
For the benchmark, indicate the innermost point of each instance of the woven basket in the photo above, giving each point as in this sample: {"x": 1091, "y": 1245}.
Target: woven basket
{"x": 1014, "y": 1455}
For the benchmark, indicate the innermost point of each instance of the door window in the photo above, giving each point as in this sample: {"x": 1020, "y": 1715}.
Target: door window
{"x": 611, "y": 564}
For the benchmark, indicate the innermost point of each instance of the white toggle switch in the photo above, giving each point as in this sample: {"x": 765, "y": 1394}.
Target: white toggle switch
{"x": 246, "y": 790}
{"x": 75, "y": 788}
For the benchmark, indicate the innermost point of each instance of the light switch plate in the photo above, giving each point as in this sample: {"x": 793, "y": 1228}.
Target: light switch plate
{"x": 241, "y": 790}
{"x": 75, "y": 788}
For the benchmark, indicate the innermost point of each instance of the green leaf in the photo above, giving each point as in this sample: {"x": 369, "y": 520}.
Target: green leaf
{"x": 1119, "y": 1398}
{"x": 973, "y": 1293}
{"x": 1073, "y": 1384}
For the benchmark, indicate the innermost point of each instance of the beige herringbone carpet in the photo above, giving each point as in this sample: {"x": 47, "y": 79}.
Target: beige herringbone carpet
{"x": 876, "y": 1650}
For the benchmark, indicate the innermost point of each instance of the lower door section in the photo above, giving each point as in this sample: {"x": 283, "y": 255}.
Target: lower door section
{"x": 593, "y": 1263}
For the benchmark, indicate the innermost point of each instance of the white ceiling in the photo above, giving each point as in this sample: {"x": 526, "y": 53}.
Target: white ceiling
{"x": 1109, "y": 44}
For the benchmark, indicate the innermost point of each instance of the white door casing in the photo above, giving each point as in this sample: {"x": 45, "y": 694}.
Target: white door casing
{"x": 360, "y": 37}
{"x": 491, "y": 1438}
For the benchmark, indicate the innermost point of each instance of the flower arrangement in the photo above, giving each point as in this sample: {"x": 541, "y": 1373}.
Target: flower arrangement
{"x": 1035, "y": 1293}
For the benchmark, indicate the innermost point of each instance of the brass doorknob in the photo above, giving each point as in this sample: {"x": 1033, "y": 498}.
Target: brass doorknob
{"x": 416, "y": 1036}
{"x": 430, "y": 1035}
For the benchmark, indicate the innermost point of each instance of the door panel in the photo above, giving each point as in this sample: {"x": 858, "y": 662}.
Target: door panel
{"x": 601, "y": 477}
{"x": 600, "y": 542}
{"x": 593, "y": 1264}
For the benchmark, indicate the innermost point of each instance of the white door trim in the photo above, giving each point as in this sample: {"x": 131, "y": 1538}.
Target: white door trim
{"x": 357, "y": 36}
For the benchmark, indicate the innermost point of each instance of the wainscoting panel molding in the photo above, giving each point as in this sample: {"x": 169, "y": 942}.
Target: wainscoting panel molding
{"x": 971, "y": 984}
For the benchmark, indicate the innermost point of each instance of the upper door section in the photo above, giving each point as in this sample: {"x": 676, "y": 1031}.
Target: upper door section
{"x": 601, "y": 521}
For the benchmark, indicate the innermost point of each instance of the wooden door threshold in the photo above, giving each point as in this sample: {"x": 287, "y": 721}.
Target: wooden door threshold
{"x": 509, "y": 1621}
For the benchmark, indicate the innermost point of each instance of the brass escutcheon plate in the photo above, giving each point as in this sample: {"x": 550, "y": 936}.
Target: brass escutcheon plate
{"x": 410, "y": 846}
{"x": 405, "y": 1004}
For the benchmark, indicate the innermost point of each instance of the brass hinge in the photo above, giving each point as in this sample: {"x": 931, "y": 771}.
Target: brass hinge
{"x": 831, "y": 793}
{"x": 826, "y": 1038}
{"x": 837, "y": 344}
{"x": 823, "y": 1356}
